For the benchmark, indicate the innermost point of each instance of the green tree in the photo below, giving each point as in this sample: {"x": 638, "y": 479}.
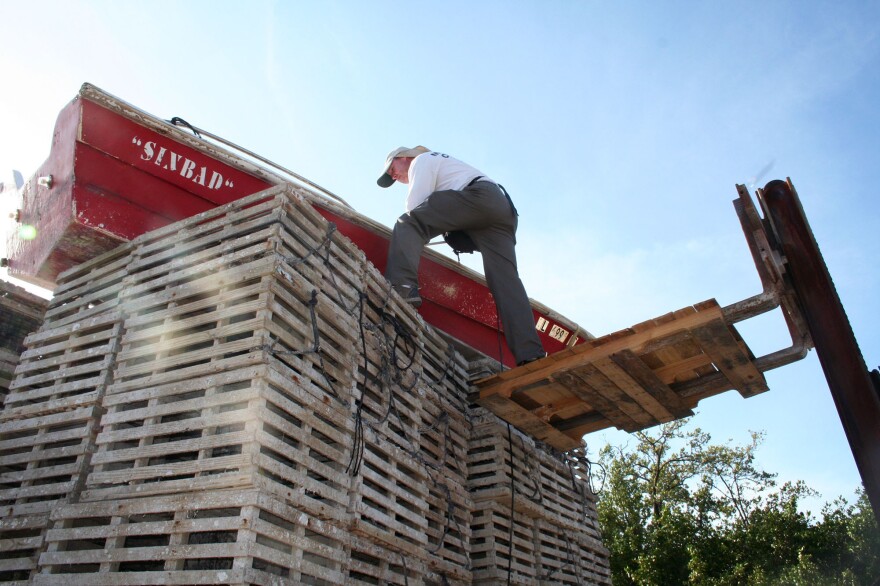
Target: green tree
{"x": 653, "y": 486}
{"x": 677, "y": 509}
{"x": 848, "y": 541}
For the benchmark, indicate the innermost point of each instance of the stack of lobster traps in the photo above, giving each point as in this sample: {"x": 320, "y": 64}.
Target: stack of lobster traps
{"x": 21, "y": 313}
{"x": 534, "y": 513}
{"x": 239, "y": 398}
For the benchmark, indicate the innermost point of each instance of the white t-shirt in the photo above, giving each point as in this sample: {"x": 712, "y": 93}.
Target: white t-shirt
{"x": 430, "y": 172}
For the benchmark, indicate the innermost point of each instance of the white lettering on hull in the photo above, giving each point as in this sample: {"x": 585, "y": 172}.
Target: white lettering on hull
{"x": 173, "y": 162}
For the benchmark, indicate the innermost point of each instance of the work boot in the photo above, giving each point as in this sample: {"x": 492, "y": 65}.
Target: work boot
{"x": 409, "y": 293}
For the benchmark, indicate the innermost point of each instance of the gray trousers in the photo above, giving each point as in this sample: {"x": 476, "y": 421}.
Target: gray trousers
{"x": 483, "y": 211}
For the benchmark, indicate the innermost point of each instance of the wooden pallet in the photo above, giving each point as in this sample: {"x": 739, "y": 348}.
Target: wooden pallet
{"x": 566, "y": 496}
{"x": 276, "y": 221}
{"x": 449, "y": 519}
{"x": 220, "y": 537}
{"x": 545, "y": 487}
{"x": 65, "y": 367}
{"x": 568, "y": 557}
{"x": 89, "y": 289}
{"x": 631, "y": 379}
{"x": 233, "y": 312}
{"x": 44, "y": 460}
{"x": 490, "y": 457}
{"x": 249, "y": 427}
{"x": 443, "y": 436}
{"x": 389, "y": 501}
{"x": 21, "y": 540}
{"x": 494, "y": 558}
{"x": 21, "y": 314}
{"x": 8, "y": 362}
{"x": 373, "y": 563}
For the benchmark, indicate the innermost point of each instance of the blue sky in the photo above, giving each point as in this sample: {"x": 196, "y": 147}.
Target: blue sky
{"x": 619, "y": 128}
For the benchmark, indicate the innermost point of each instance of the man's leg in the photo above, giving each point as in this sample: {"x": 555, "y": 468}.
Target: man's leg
{"x": 497, "y": 245}
{"x": 441, "y": 212}
{"x": 408, "y": 238}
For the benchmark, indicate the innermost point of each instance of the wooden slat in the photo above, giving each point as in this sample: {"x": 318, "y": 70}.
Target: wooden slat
{"x": 680, "y": 353}
{"x": 549, "y": 410}
{"x": 604, "y": 376}
{"x": 717, "y": 341}
{"x": 609, "y": 407}
{"x": 653, "y": 386}
{"x": 620, "y": 378}
{"x": 672, "y": 372}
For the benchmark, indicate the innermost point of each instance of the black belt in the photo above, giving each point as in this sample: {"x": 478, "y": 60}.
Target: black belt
{"x": 501, "y": 187}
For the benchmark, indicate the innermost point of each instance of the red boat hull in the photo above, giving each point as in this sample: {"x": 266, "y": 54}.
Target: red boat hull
{"x": 115, "y": 172}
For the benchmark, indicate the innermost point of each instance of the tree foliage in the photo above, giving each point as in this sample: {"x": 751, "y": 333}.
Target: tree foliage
{"x": 677, "y": 509}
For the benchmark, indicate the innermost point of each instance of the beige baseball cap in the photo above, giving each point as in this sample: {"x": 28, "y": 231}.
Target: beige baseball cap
{"x": 385, "y": 179}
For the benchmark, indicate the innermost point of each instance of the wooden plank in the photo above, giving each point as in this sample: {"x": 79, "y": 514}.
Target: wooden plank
{"x": 529, "y": 423}
{"x": 679, "y": 350}
{"x": 373, "y": 563}
{"x": 616, "y": 390}
{"x": 577, "y": 427}
{"x": 649, "y": 381}
{"x": 671, "y": 372}
{"x": 557, "y": 408}
{"x": 717, "y": 342}
{"x": 507, "y": 382}
{"x": 618, "y": 375}
{"x": 609, "y": 408}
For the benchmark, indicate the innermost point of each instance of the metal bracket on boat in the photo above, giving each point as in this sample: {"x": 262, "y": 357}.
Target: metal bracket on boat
{"x": 777, "y": 290}
{"x": 46, "y": 181}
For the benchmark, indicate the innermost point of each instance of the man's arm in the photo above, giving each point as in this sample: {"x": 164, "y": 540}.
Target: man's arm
{"x": 422, "y": 179}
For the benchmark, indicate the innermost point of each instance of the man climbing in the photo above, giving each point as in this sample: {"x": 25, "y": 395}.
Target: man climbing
{"x": 447, "y": 195}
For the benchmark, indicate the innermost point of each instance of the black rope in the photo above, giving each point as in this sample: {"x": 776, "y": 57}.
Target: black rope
{"x": 443, "y": 419}
{"x": 354, "y": 464}
{"x": 177, "y": 121}
{"x": 391, "y": 373}
{"x": 512, "y": 502}
{"x": 315, "y": 349}
{"x": 324, "y": 245}
{"x": 399, "y": 356}
{"x": 571, "y": 561}
{"x": 536, "y": 492}
{"x": 500, "y": 347}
